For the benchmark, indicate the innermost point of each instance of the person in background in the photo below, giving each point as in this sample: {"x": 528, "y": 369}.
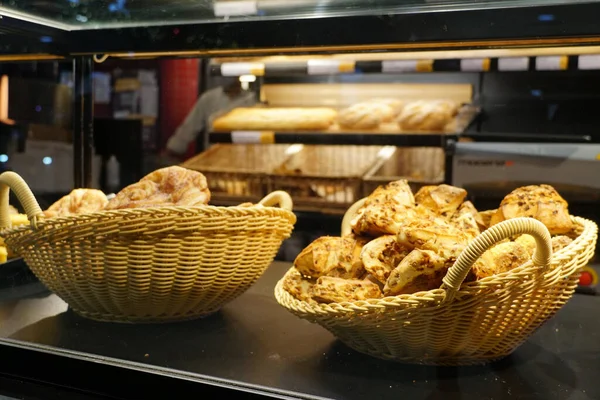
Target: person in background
{"x": 218, "y": 100}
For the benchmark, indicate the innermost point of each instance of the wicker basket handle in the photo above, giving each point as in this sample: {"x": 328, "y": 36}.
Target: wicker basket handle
{"x": 10, "y": 180}
{"x": 278, "y": 197}
{"x": 543, "y": 251}
{"x": 351, "y": 213}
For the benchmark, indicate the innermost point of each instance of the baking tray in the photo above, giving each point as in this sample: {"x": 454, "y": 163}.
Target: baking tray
{"x": 325, "y": 178}
{"x": 420, "y": 166}
{"x": 238, "y": 173}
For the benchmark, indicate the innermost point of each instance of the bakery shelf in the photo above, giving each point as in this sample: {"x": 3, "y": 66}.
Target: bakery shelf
{"x": 326, "y": 178}
{"x": 387, "y": 134}
{"x": 472, "y": 61}
{"x": 418, "y": 165}
{"x": 254, "y": 348}
{"x": 378, "y": 139}
{"x": 238, "y": 174}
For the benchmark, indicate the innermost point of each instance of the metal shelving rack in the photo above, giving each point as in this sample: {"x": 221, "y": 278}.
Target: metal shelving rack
{"x": 63, "y": 30}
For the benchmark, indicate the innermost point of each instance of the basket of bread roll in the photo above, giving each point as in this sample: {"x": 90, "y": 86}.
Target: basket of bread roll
{"x": 428, "y": 279}
{"x": 156, "y": 252}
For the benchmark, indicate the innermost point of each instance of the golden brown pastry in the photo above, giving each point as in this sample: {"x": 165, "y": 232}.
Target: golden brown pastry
{"x": 79, "y": 201}
{"x": 435, "y": 235}
{"x": 385, "y": 210}
{"x": 418, "y": 271}
{"x": 171, "y": 186}
{"x": 427, "y": 115}
{"x": 277, "y": 119}
{"x": 380, "y": 256}
{"x": 443, "y": 199}
{"x": 540, "y": 202}
{"x": 465, "y": 219}
{"x": 336, "y": 290}
{"x": 500, "y": 258}
{"x": 560, "y": 242}
{"x": 485, "y": 218}
{"x": 332, "y": 256}
{"x": 365, "y": 115}
{"x": 528, "y": 242}
{"x": 299, "y": 287}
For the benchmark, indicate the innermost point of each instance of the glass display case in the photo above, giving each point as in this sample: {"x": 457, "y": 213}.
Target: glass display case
{"x": 521, "y": 80}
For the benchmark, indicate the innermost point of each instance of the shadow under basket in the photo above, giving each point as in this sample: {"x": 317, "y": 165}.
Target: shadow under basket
{"x": 148, "y": 265}
{"x": 460, "y": 324}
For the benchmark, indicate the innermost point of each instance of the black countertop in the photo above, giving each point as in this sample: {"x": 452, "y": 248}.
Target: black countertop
{"x": 264, "y": 349}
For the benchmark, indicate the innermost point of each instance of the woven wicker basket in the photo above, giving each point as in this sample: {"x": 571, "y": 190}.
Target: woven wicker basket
{"x": 150, "y": 264}
{"x": 472, "y": 323}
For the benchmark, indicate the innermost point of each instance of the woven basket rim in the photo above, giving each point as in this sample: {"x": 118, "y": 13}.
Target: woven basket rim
{"x": 400, "y": 301}
{"x": 208, "y": 210}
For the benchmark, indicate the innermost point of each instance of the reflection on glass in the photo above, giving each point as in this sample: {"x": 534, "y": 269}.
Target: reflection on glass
{"x": 86, "y": 14}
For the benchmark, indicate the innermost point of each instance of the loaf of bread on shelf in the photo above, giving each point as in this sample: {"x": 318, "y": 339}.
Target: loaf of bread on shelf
{"x": 427, "y": 115}
{"x": 332, "y": 256}
{"x": 171, "y": 186}
{"x": 368, "y": 115}
{"x": 396, "y": 104}
{"x": 79, "y": 201}
{"x": 541, "y": 202}
{"x": 336, "y": 290}
{"x": 276, "y": 119}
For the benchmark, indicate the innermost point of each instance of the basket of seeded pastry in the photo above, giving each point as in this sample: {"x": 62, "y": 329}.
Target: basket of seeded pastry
{"x": 156, "y": 252}
{"x": 428, "y": 279}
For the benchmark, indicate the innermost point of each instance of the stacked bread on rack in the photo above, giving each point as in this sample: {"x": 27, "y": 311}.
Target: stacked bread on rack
{"x": 277, "y": 119}
{"x": 373, "y": 114}
{"x": 415, "y": 116}
{"x": 403, "y": 243}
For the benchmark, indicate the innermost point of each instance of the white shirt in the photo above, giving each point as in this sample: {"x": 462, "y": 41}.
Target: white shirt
{"x": 211, "y": 102}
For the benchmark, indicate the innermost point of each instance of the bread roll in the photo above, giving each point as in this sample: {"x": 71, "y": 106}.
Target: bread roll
{"x": 540, "y": 202}
{"x": 420, "y": 270}
{"x": 332, "y": 256}
{"x": 380, "y": 256}
{"x": 365, "y": 116}
{"x": 79, "y": 201}
{"x": 337, "y": 290}
{"x": 299, "y": 287}
{"x": 171, "y": 186}
{"x": 443, "y": 199}
{"x": 385, "y": 210}
{"x": 427, "y": 115}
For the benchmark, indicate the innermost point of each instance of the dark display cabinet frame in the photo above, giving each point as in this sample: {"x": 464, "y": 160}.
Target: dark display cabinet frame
{"x": 94, "y": 372}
